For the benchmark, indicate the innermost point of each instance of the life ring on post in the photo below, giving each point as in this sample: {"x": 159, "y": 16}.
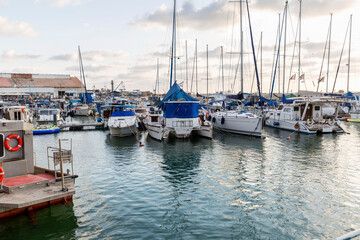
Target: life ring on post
{"x": 2, "y": 174}
{"x": 7, "y": 143}
{"x": 207, "y": 115}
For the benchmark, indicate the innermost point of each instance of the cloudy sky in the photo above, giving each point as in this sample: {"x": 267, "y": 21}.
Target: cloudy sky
{"x": 122, "y": 40}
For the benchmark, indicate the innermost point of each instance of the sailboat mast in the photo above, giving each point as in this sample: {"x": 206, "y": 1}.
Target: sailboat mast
{"x": 187, "y": 79}
{"x": 261, "y": 62}
{"x": 241, "y": 51}
{"x": 196, "y": 66}
{"x": 299, "y": 49}
{"x": 207, "y": 75}
{"x": 348, "y": 75}
{"x": 222, "y": 69}
{"x": 82, "y": 73}
{"x": 157, "y": 76}
{"x": 284, "y": 65}
{"x": 279, "y": 75}
{"x": 328, "y": 63}
{"x": 173, "y": 48}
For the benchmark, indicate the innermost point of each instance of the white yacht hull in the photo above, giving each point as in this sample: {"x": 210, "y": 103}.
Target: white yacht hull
{"x": 156, "y": 131}
{"x": 205, "y": 131}
{"x": 303, "y": 127}
{"x": 240, "y": 125}
{"x": 182, "y": 127}
{"x": 122, "y": 126}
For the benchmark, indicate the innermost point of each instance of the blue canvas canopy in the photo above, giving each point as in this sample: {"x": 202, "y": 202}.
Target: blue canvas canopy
{"x": 175, "y": 93}
{"x": 188, "y": 107}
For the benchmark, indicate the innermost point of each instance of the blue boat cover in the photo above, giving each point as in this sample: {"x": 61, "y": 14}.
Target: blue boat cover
{"x": 285, "y": 100}
{"x": 123, "y": 114}
{"x": 175, "y": 93}
{"x": 181, "y": 109}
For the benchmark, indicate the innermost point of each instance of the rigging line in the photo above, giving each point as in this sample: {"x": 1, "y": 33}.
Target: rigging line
{"x": 274, "y": 56}
{"x": 342, "y": 50}
{"x": 253, "y": 78}
{"x": 253, "y": 50}
{"x": 293, "y": 56}
{"x": 192, "y": 75}
{"x": 323, "y": 58}
{"x": 277, "y": 57}
{"x": 231, "y": 46}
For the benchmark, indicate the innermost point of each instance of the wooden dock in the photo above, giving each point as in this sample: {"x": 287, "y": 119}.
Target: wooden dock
{"x": 82, "y": 126}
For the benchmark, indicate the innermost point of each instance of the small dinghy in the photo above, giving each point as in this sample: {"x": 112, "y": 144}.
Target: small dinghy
{"x": 45, "y": 130}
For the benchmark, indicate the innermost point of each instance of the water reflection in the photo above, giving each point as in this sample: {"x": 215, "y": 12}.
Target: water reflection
{"x": 55, "y": 222}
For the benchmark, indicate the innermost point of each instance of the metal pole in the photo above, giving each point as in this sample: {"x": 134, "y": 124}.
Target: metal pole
{"x": 284, "y": 65}
{"x": 261, "y": 62}
{"x": 327, "y": 73}
{"x": 299, "y": 49}
{"x": 241, "y": 51}
{"x": 196, "y": 67}
{"x": 279, "y": 75}
{"x": 207, "y": 75}
{"x": 222, "y": 69}
{"x": 348, "y": 76}
{"x": 61, "y": 168}
{"x": 187, "y": 80}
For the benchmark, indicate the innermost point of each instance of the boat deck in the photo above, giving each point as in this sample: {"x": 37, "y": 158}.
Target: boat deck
{"x": 32, "y": 191}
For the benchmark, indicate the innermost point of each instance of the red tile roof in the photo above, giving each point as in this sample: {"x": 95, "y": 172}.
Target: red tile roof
{"x": 26, "y": 81}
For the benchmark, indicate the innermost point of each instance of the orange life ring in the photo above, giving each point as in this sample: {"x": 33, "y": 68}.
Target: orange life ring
{"x": 2, "y": 174}
{"x": 207, "y": 115}
{"x": 7, "y": 143}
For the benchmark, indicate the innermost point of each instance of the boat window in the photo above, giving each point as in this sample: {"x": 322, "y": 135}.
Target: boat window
{"x": 140, "y": 110}
{"x": 317, "y": 108}
{"x": 287, "y": 109}
{"x": 44, "y": 112}
{"x": 296, "y": 109}
{"x": 280, "y": 107}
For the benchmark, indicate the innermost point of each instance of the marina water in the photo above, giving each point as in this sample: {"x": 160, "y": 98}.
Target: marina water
{"x": 231, "y": 187}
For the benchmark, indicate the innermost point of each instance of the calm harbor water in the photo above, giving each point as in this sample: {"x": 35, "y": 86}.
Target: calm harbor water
{"x": 233, "y": 187}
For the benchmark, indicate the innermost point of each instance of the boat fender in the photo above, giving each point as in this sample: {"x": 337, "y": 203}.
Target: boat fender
{"x": 222, "y": 120}
{"x": 330, "y": 121}
{"x": 308, "y": 122}
{"x": 7, "y": 143}
{"x": 22, "y": 110}
{"x": 2, "y": 174}
{"x": 213, "y": 119}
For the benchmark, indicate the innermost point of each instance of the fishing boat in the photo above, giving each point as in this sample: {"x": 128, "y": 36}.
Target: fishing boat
{"x": 25, "y": 186}
{"x": 81, "y": 109}
{"x": 155, "y": 124}
{"x": 45, "y": 130}
{"x": 122, "y": 122}
{"x": 49, "y": 116}
{"x": 305, "y": 116}
{"x": 232, "y": 118}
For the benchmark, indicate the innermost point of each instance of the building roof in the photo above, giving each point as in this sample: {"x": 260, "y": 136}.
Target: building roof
{"x": 12, "y": 80}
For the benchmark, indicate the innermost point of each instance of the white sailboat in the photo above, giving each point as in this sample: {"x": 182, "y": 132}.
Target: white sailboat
{"x": 234, "y": 119}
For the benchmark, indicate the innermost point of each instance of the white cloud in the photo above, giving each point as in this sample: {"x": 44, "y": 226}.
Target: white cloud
{"x": 16, "y": 28}
{"x": 211, "y": 16}
{"x": 12, "y": 54}
{"x": 63, "y": 3}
